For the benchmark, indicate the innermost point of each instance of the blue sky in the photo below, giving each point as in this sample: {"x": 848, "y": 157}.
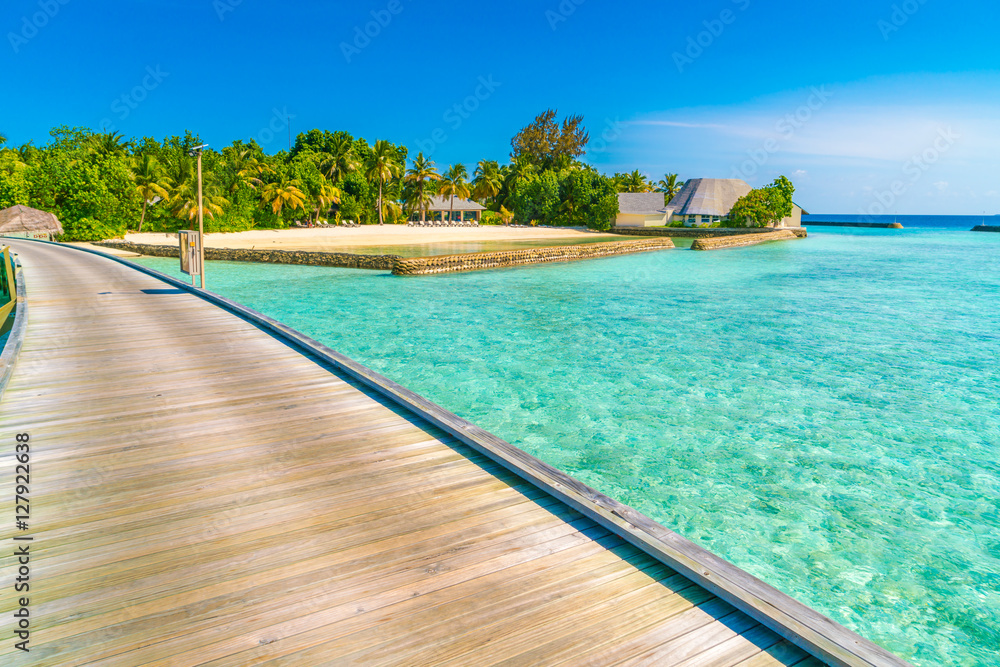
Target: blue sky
{"x": 864, "y": 104}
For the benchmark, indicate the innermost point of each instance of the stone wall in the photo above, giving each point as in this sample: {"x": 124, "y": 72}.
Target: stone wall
{"x": 870, "y": 225}
{"x": 336, "y": 259}
{"x": 700, "y": 233}
{"x": 742, "y": 241}
{"x": 986, "y": 228}
{"x": 495, "y": 260}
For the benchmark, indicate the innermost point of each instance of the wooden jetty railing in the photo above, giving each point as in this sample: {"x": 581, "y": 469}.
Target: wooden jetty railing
{"x": 8, "y": 289}
{"x": 16, "y": 303}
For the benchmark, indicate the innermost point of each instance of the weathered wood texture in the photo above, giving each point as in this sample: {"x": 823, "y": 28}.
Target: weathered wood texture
{"x": 203, "y": 493}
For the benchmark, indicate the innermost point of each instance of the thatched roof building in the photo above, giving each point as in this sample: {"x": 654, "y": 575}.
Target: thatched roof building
{"x": 19, "y": 219}
{"x": 447, "y": 206}
{"x": 706, "y": 201}
{"x": 709, "y": 198}
{"x": 441, "y": 203}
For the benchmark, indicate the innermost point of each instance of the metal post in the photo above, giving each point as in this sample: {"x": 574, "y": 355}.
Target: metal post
{"x": 201, "y": 224}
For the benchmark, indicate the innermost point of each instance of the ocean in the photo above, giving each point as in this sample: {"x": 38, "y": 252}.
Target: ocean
{"x": 822, "y": 412}
{"x": 965, "y": 222}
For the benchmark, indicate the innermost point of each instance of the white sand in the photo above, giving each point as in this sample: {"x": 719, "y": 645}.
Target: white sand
{"x": 333, "y": 238}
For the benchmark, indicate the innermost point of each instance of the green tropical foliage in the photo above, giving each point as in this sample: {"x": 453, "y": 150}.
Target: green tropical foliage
{"x": 764, "y": 207}
{"x": 382, "y": 166}
{"x": 488, "y": 181}
{"x": 420, "y": 175}
{"x": 669, "y": 186}
{"x": 548, "y": 144}
{"x": 150, "y": 182}
{"x": 454, "y": 184}
{"x": 14, "y": 185}
{"x": 103, "y": 184}
{"x": 634, "y": 182}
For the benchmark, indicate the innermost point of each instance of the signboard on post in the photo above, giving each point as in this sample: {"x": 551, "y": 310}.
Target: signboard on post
{"x": 190, "y": 252}
{"x": 38, "y": 236}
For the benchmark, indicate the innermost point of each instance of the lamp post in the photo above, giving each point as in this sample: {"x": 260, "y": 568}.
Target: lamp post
{"x": 196, "y": 151}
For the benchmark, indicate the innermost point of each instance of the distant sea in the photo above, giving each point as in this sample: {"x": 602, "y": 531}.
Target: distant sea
{"x": 908, "y": 221}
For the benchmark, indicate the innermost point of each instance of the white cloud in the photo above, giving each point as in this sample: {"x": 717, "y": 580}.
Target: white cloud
{"x": 941, "y": 185}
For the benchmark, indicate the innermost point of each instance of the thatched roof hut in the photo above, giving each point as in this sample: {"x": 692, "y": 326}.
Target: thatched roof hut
{"x": 708, "y": 197}
{"x": 19, "y": 218}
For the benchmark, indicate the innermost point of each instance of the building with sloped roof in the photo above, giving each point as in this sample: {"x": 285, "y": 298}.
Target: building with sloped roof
{"x": 707, "y": 201}
{"x": 447, "y": 207}
{"x": 642, "y": 209}
{"x": 25, "y": 222}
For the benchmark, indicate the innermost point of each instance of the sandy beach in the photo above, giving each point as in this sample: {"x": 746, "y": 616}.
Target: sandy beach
{"x": 333, "y": 239}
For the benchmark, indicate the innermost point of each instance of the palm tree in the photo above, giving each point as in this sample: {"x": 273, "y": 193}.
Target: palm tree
{"x": 341, "y": 159}
{"x": 248, "y": 169}
{"x": 488, "y": 181}
{"x": 636, "y": 182}
{"x": 506, "y": 216}
{"x": 185, "y": 200}
{"x": 324, "y": 195}
{"x": 669, "y": 186}
{"x": 382, "y": 167}
{"x": 422, "y": 171}
{"x": 284, "y": 193}
{"x": 519, "y": 170}
{"x": 107, "y": 143}
{"x": 150, "y": 182}
{"x": 454, "y": 184}
{"x": 3, "y": 138}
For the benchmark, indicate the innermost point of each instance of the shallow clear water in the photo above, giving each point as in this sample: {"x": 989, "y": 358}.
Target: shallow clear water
{"x": 823, "y": 413}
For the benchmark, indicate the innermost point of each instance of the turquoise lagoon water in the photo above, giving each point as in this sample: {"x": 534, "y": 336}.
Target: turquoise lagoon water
{"x": 823, "y": 413}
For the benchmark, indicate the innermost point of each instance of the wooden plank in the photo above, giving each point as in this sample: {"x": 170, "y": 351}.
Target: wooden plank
{"x": 782, "y": 654}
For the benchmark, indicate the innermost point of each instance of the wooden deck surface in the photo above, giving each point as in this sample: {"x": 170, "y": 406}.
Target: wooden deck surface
{"x": 204, "y": 494}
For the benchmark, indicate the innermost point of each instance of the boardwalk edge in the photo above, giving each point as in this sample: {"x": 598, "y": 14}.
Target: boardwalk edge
{"x": 12, "y": 349}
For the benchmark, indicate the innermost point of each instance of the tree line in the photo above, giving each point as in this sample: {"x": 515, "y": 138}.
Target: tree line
{"x": 102, "y": 185}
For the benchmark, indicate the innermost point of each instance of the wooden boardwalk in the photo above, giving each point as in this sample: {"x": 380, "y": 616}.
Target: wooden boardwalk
{"x": 203, "y": 493}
